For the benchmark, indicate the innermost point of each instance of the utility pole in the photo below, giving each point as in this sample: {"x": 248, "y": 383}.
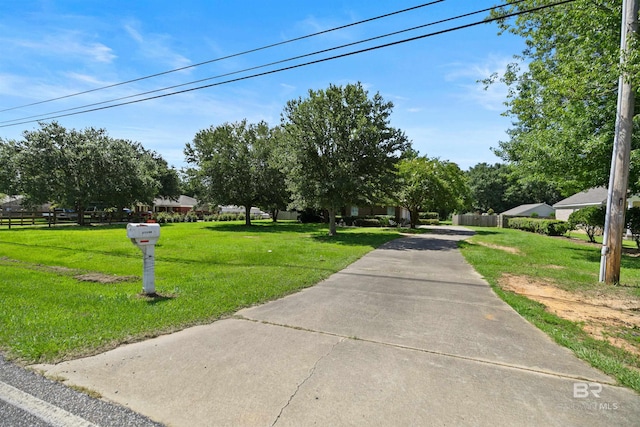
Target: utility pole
{"x": 620, "y": 159}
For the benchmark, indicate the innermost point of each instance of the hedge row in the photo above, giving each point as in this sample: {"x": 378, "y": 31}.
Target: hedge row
{"x": 550, "y": 227}
{"x": 169, "y": 217}
{"x": 369, "y": 221}
{"x": 429, "y": 215}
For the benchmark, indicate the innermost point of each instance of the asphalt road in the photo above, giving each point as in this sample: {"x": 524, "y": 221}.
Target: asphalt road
{"x": 30, "y": 400}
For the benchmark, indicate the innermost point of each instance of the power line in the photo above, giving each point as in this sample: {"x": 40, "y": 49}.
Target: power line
{"x": 488, "y": 20}
{"x": 264, "y": 65}
{"x": 229, "y": 56}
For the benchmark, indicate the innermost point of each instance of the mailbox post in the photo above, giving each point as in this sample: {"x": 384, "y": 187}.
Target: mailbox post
{"x": 145, "y": 236}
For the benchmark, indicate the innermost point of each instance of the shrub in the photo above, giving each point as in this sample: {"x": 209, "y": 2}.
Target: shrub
{"x": 191, "y": 217}
{"x": 386, "y": 220}
{"x": 310, "y": 216}
{"x": 633, "y": 223}
{"x": 550, "y": 227}
{"x": 429, "y": 215}
{"x": 346, "y": 220}
{"x": 163, "y": 217}
{"x": 367, "y": 222}
{"x": 590, "y": 219}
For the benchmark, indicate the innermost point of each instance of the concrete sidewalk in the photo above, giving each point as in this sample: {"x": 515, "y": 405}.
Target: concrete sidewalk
{"x": 409, "y": 335}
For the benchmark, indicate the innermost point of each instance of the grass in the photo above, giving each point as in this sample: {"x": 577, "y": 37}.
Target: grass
{"x": 581, "y": 235}
{"x": 203, "y": 271}
{"x": 570, "y": 265}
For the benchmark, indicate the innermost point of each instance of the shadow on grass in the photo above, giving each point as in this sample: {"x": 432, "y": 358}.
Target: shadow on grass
{"x": 318, "y": 232}
{"x": 65, "y": 228}
{"x": 484, "y": 232}
{"x": 155, "y": 298}
{"x": 266, "y": 227}
{"x": 373, "y": 240}
{"x": 116, "y": 253}
{"x": 591, "y": 253}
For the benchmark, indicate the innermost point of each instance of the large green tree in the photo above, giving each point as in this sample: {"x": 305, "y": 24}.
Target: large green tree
{"x": 488, "y": 185}
{"x": 274, "y": 195}
{"x": 77, "y": 169}
{"x": 232, "y": 165}
{"x": 500, "y": 187}
{"x": 563, "y": 92}
{"x": 9, "y": 168}
{"x": 340, "y": 148}
{"x": 432, "y": 185}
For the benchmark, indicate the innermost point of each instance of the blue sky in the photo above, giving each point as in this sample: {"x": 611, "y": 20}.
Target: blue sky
{"x": 54, "y": 48}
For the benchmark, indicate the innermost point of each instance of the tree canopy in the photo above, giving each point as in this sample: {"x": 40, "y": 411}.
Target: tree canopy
{"x": 232, "y": 165}
{"x": 77, "y": 169}
{"x": 340, "y": 148}
{"x": 426, "y": 184}
{"x": 500, "y": 187}
{"x": 563, "y": 93}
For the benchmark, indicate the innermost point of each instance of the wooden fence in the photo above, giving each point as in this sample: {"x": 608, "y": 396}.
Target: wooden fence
{"x": 23, "y": 218}
{"x": 476, "y": 220}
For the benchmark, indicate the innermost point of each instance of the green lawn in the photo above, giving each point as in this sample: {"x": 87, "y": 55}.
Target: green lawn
{"x": 203, "y": 271}
{"x": 569, "y": 265}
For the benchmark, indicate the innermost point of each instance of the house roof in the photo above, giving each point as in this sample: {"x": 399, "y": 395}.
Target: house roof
{"x": 592, "y": 197}
{"x": 525, "y": 210}
{"x": 183, "y": 201}
{"x": 10, "y": 200}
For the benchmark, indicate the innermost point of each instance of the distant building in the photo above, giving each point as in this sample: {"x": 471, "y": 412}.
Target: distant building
{"x": 182, "y": 205}
{"x": 542, "y": 210}
{"x": 14, "y": 204}
{"x": 233, "y": 209}
{"x": 592, "y": 197}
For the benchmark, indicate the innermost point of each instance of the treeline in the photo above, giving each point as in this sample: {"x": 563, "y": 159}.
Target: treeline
{"x": 79, "y": 169}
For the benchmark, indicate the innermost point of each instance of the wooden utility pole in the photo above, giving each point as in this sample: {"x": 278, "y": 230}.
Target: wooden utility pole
{"x": 620, "y": 159}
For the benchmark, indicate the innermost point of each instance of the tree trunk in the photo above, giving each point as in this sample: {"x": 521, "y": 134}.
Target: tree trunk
{"x": 414, "y": 218}
{"x": 332, "y": 222}
{"x": 274, "y": 215}
{"x": 247, "y": 215}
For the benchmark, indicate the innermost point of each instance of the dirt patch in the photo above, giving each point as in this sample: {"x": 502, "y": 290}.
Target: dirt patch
{"x": 508, "y": 249}
{"x": 554, "y": 267}
{"x": 604, "y": 316}
{"x": 81, "y": 275}
{"x": 103, "y": 278}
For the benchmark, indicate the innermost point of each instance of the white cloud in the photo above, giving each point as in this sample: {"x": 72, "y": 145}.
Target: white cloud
{"x": 66, "y": 44}
{"x": 135, "y": 35}
{"x": 85, "y": 78}
{"x": 155, "y": 46}
{"x": 466, "y": 77}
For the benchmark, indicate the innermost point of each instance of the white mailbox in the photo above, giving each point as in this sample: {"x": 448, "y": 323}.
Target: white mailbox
{"x": 145, "y": 236}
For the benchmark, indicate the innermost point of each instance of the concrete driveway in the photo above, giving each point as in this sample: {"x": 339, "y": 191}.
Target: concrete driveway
{"x": 409, "y": 335}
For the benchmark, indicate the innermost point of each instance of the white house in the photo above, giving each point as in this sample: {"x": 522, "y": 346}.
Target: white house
{"x": 543, "y": 210}
{"x": 233, "y": 209}
{"x": 592, "y": 197}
